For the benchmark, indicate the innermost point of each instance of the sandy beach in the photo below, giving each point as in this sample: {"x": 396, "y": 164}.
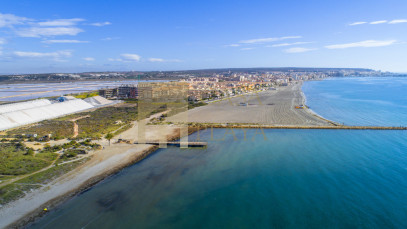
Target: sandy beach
{"x": 271, "y": 107}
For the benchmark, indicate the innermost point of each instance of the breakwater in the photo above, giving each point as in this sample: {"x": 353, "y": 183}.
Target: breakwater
{"x": 204, "y": 126}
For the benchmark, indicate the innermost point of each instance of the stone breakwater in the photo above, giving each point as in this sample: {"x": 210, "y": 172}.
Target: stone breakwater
{"x": 339, "y": 127}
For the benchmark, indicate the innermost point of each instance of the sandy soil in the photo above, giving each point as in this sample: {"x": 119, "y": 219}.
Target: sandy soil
{"x": 272, "y": 107}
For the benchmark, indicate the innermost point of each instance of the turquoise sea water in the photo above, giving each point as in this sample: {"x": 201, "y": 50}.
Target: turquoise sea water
{"x": 360, "y": 101}
{"x": 244, "y": 179}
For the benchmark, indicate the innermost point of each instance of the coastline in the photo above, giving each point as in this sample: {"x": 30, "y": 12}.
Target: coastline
{"x": 29, "y": 208}
{"x": 88, "y": 184}
{"x": 312, "y": 112}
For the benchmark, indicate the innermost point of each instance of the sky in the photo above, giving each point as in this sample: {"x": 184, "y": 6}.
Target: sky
{"x": 45, "y": 36}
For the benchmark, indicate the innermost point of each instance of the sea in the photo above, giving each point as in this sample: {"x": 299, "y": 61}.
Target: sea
{"x": 271, "y": 178}
{"x": 369, "y": 101}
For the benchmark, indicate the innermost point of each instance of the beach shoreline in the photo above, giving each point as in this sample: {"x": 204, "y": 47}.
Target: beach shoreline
{"x": 26, "y": 210}
{"x": 32, "y": 216}
{"x": 309, "y": 110}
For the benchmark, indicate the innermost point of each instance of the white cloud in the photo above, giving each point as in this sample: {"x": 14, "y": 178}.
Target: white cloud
{"x": 131, "y": 57}
{"x": 2, "y": 42}
{"x": 163, "y": 60}
{"x": 364, "y": 44}
{"x": 89, "y": 58}
{"x": 114, "y": 59}
{"x": 61, "y": 22}
{"x": 156, "y": 60}
{"x": 358, "y": 23}
{"x": 289, "y": 44}
{"x": 63, "y": 41}
{"x": 10, "y": 19}
{"x": 99, "y": 24}
{"x": 54, "y": 55}
{"x": 245, "y": 49}
{"x": 48, "y": 31}
{"x": 378, "y": 22}
{"x": 298, "y": 50}
{"x": 398, "y": 21}
{"x": 265, "y": 40}
{"x": 110, "y": 38}
{"x": 233, "y": 45}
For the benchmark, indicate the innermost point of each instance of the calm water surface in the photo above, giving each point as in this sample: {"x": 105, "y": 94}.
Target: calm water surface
{"x": 293, "y": 179}
{"x": 374, "y": 101}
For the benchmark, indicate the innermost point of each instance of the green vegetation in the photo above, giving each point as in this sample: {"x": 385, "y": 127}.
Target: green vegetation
{"x": 18, "y": 189}
{"x": 192, "y": 105}
{"x": 13, "y": 191}
{"x": 109, "y": 137}
{"x": 16, "y": 159}
{"x": 130, "y": 100}
{"x": 86, "y": 95}
{"x": 122, "y": 129}
{"x": 105, "y": 120}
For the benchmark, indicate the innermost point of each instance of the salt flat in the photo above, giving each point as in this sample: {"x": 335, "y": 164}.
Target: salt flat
{"x": 272, "y": 107}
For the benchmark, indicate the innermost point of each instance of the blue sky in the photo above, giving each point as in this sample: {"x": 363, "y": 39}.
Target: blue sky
{"x": 88, "y": 35}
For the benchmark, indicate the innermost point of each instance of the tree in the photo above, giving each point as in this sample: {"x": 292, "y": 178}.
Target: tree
{"x": 109, "y": 136}
{"x": 30, "y": 152}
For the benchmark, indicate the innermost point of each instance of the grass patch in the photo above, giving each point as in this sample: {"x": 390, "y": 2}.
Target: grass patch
{"x": 16, "y": 159}
{"x": 121, "y": 130}
{"x": 18, "y": 189}
{"x": 46, "y": 176}
{"x": 4, "y": 178}
{"x": 192, "y": 105}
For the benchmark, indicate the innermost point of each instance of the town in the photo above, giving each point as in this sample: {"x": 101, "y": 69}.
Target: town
{"x": 209, "y": 85}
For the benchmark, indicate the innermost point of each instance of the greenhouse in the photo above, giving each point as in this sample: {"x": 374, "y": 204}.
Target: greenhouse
{"x": 19, "y": 114}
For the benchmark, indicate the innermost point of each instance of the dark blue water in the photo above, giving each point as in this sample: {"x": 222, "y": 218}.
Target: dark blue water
{"x": 374, "y": 101}
{"x": 282, "y": 179}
